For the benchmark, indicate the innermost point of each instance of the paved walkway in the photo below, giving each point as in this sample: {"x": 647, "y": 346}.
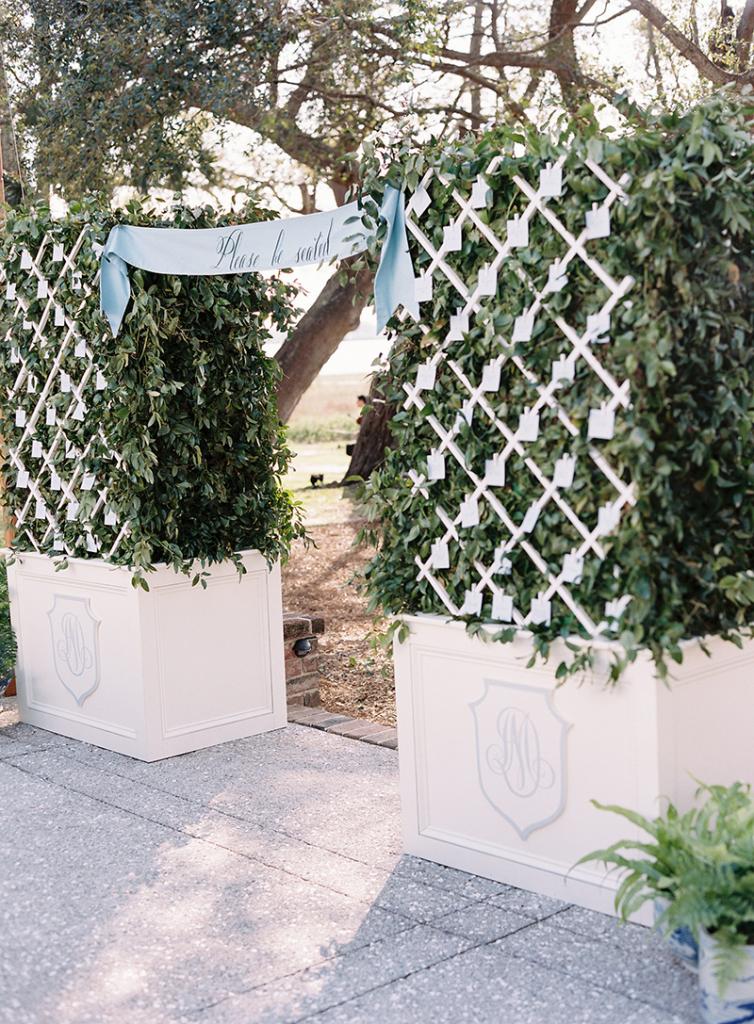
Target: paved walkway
{"x": 261, "y": 882}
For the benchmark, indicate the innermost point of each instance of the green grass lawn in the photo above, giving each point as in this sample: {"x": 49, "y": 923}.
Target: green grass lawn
{"x": 321, "y": 426}
{"x": 323, "y": 504}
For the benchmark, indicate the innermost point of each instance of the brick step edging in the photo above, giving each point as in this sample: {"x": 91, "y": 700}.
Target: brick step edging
{"x": 341, "y": 725}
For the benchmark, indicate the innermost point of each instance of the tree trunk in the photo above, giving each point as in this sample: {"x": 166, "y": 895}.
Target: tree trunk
{"x": 12, "y": 189}
{"x": 374, "y": 436}
{"x": 335, "y": 312}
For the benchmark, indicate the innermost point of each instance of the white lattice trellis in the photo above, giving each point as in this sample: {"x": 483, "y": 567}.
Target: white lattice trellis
{"x": 541, "y": 202}
{"x": 56, "y": 443}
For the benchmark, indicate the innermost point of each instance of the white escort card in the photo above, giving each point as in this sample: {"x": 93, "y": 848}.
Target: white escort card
{"x": 494, "y": 471}
{"x": 601, "y": 423}
{"x": 452, "y": 239}
{"x": 55, "y": 482}
{"x": 22, "y": 480}
{"x": 608, "y": 518}
{"x": 42, "y": 289}
{"x": 472, "y": 602}
{"x": 36, "y": 449}
{"x": 502, "y": 607}
{"x": 504, "y": 564}
{"x": 40, "y": 511}
{"x": 26, "y": 260}
{"x": 20, "y": 418}
{"x": 435, "y": 466}
{"x": 111, "y": 519}
{"x": 459, "y": 325}
{"x": 523, "y": 327}
{"x": 470, "y": 511}
{"x": 79, "y": 413}
{"x": 59, "y": 316}
{"x": 598, "y": 325}
{"x": 72, "y": 511}
{"x": 57, "y": 544}
{"x": 425, "y": 376}
{"x": 517, "y": 232}
{"x": 481, "y": 194}
{"x": 557, "y": 278}
{"x": 551, "y": 181}
{"x": 50, "y": 416}
{"x": 614, "y": 609}
{"x": 597, "y": 222}
{"x": 65, "y": 382}
{"x": 76, "y": 280}
{"x": 10, "y": 292}
{"x": 487, "y": 281}
{"x": 528, "y": 426}
{"x": 531, "y": 518}
{"x": 87, "y": 482}
{"x": 27, "y": 325}
{"x": 420, "y": 201}
{"x": 57, "y": 252}
{"x": 573, "y": 567}
{"x": 15, "y": 356}
{"x": 31, "y": 384}
{"x": 80, "y": 349}
{"x": 491, "y": 377}
{"x": 423, "y": 288}
{"x": 467, "y": 410}
{"x": 564, "y": 470}
{"x": 563, "y": 370}
{"x": 100, "y": 382}
{"x": 440, "y": 554}
{"x": 541, "y": 611}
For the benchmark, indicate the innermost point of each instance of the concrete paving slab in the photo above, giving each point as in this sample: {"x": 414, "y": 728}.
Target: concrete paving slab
{"x": 649, "y": 974}
{"x": 486, "y": 986}
{"x": 337, "y": 980}
{"x": 481, "y": 922}
{"x": 263, "y": 881}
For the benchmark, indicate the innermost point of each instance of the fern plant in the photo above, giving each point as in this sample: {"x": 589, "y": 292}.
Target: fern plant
{"x": 701, "y": 862}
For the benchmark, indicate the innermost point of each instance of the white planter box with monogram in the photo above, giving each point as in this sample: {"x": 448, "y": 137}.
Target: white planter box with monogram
{"x": 150, "y": 674}
{"x": 499, "y": 764}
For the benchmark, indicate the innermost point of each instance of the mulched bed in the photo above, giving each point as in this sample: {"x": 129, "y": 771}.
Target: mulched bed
{"x": 357, "y": 671}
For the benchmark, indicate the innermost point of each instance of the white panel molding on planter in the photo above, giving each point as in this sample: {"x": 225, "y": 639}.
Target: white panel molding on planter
{"x": 499, "y": 762}
{"x": 150, "y": 674}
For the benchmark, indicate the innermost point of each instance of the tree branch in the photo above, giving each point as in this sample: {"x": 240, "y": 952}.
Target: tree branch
{"x": 685, "y": 47}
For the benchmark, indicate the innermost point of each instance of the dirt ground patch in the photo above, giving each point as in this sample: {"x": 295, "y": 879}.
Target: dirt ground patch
{"x": 357, "y": 675}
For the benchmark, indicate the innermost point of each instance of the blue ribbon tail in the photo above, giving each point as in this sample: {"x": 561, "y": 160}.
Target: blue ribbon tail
{"x": 114, "y": 284}
{"x": 394, "y": 280}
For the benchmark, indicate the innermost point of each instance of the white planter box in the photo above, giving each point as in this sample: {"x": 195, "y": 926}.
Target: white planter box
{"x": 498, "y": 764}
{"x": 148, "y": 674}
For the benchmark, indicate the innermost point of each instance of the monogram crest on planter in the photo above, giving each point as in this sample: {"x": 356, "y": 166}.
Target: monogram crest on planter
{"x": 521, "y": 754}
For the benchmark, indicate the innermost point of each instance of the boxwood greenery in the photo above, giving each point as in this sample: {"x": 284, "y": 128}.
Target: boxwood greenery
{"x": 189, "y": 404}
{"x": 683, "y": 339}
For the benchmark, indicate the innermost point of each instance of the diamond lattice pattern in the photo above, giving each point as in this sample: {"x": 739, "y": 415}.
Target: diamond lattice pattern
{"x": 60, "y": 461}
{"x": 512, "y": 454}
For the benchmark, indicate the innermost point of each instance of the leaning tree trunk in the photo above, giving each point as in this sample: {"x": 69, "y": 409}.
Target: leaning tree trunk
{"x": 335, "y": 312}
{"x": 374, "y": 437}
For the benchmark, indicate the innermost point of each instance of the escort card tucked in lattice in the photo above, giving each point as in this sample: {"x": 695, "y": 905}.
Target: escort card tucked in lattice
{"x": 60, "y": 458}
{"x": 516, "y": 392}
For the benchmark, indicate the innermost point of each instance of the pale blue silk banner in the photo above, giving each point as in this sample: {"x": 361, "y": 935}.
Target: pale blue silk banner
{"x": 267, "y": 245}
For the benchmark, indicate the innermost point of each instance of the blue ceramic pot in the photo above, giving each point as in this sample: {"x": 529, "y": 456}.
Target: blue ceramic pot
{"x": 681, "y": 942}
{"x": 735, "y": 1004}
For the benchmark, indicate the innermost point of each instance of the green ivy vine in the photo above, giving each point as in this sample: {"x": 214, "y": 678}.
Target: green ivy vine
{"x": 682, "y": 338}
{"x": 189, "y": 404}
